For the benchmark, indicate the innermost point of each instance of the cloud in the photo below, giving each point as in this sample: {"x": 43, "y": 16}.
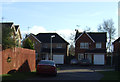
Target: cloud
{"x": 34, "y": 30}
{"x": 67, "y": 34}
{"x": 64, "y": 33}
{"x": 37, "y": 29}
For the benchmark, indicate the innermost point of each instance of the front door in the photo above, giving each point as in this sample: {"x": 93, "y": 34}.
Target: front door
{"x": 89, "y": 56}
{"x": 46, "y": 57}
{"x": 80, "y": 56}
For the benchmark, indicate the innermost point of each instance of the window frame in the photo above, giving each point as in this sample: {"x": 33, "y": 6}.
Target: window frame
{"x": 84, "y": 45}
{"x": 80, "y": 56}
{"x": 59, "y": 46}
{"x": 98, "y": 45}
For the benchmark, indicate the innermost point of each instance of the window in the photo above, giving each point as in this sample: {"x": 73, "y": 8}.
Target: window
{"x": 84, "y": 45}
{"x": 80, "y": 56}
{"x": 98, "y": 45}
{"x": 59, "y": 45}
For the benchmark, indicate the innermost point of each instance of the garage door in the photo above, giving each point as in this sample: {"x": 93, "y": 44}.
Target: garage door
{"x": 59, "y": 59}
{"x": 99, "y": 59}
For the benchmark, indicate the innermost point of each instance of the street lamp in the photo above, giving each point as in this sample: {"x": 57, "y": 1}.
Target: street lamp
{"x": 51, "y": 45}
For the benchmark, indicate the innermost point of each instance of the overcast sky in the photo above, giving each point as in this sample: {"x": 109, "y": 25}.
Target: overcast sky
{"x": 60, "y": 17}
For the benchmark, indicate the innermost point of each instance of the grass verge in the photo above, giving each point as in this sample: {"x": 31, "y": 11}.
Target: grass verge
{"x": 18, "y": 76}
{"x": 110, "y": 75}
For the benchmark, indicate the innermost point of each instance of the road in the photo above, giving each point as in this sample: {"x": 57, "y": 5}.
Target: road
{"x": 72, "y": 73}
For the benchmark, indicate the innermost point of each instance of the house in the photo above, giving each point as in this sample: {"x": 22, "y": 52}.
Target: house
{"x": 44, "y": 47}
{"x": 92, "y": 46}
{"x": 16, "y": 35}
{"x": 116, "y": 46}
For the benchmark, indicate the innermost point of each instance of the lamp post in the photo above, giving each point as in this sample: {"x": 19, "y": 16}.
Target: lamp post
{"x": 51, "y": 45}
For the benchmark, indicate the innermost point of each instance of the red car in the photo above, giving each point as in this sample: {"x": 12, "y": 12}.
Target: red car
{"x": 47, "y": 67}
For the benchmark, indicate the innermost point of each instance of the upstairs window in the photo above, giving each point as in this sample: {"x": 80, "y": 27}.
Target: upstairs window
{"x": 98, "y": 45}
{"x": 59, "y": 46}
{"x": 84, "y": 45}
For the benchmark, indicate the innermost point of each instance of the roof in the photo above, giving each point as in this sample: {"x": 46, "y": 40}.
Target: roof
{"x": 46, "y": 38}
{"x": 118, "y": 40}
{"x": 96, "y": 36}
{"x": 16, "y": 27}
{"x": 6, "y": 24}
{"x": 9, "y": 25}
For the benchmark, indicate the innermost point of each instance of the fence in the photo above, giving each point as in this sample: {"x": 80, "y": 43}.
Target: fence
{"x": 17, "y": 59}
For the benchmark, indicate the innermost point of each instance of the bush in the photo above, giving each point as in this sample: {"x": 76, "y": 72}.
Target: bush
{"x": 7, "y": 40}
{"x": 28, "y": 44}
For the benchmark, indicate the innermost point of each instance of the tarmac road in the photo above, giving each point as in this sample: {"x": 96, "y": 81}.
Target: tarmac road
{"x": 72, "y": 73}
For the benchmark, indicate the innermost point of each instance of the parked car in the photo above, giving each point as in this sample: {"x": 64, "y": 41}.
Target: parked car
{"x": 47, "y": 67}
{"x": 84, "y": 62}
{"x": 74, "y": 61}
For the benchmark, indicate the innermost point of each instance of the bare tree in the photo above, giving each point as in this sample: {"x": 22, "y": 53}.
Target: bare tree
{"x": 108, "y": 26}
{"x": 72, "y": 50}
{"x": 72, "y": 44}
{"x": 72, "y": 38}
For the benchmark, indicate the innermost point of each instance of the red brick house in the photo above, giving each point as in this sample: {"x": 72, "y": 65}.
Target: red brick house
{"x": 92, "y": 46}
{"x": 42, "y": 44}
{"x": 116, "y": 46}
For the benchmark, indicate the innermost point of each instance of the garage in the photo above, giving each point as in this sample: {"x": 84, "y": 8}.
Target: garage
{"x": 99, "y": 59}
{"x": 59, "y": 59}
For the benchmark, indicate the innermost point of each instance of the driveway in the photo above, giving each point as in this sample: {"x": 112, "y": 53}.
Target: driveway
{"x": 72, "y": 73}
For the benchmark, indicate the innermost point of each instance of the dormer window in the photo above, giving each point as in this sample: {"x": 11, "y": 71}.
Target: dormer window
{"x": 98, "y": 45}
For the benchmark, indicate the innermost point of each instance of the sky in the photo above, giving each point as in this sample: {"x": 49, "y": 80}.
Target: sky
{"x": 119, "y": 19}
{"x": 59, "y": 17}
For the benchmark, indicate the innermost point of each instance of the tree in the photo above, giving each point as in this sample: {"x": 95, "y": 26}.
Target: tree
{"x": 72, "y": 50}
{"x": 108, "y": 26}
{"x": 28, "y": 44}
{"x": 7, "y": 40}
{"x": 72, "y": 44}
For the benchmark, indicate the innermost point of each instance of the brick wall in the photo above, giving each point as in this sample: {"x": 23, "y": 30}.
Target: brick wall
{"x": 116, "y": 46}
{"x": 22, "y": 60}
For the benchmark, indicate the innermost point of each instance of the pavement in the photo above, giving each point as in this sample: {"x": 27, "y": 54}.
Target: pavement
{"x": 94, "y": 68}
